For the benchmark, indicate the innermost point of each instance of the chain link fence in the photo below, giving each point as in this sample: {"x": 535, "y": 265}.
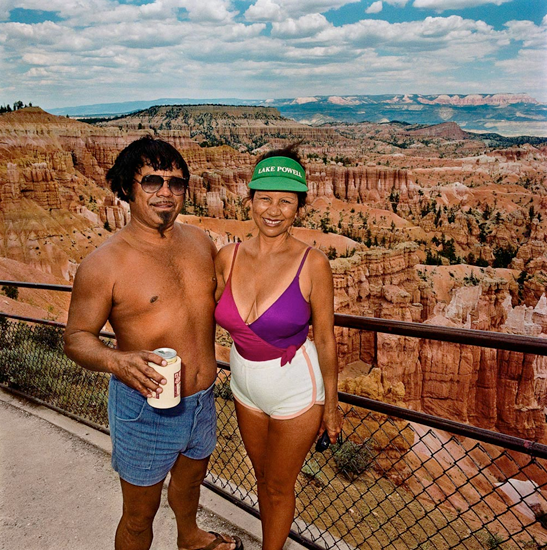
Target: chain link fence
{"x": 395, "y": 482}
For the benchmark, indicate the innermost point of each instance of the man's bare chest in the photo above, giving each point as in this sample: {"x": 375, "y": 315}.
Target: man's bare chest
{"x": 154, "y": 283}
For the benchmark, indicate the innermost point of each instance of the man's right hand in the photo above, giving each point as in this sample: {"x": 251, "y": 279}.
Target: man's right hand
{"x": 132, "y": 368}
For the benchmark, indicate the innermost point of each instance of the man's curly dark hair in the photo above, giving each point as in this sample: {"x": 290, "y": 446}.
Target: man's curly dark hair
{"x": 147, "y": 150}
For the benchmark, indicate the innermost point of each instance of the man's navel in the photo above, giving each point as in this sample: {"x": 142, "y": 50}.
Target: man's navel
{"x": 153, "y": 299}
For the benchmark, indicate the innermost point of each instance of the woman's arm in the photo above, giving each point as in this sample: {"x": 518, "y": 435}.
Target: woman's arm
{"x": 322, "y": 307}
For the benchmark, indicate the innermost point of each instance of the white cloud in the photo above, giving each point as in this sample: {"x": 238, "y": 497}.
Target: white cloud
{"x": 531, "y": 61}
{"x": 68, "y": 9}
{"x": 527, "y": 72}
{"x": 528, "y": 33}
{"x": 92, "y": 12}
{"x": 103, "y": 50}
{"x": 39, "y": 58}
{"x": 239, "y": 31}
{"x": 307, "y": 25}
{"x": 49, "y": 35}
{"x": 375, "y": 7}
{"x": 264, "y": 10}
{"x": 139, "y": 35}
{"x": 451, "y": 37}
{"x": 442, "y": 5}
{"x": 279, "y": 10}
{"x": 208, "y": 10}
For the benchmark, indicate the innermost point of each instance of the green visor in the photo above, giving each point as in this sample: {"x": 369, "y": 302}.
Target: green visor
{"x": 278, "y": 174}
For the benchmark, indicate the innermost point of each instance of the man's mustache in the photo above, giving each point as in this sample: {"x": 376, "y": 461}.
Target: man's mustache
{"x": 163, "y": 203}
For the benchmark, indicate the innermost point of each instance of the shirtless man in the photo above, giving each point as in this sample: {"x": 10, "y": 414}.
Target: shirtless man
{"x": 154, "y": 281}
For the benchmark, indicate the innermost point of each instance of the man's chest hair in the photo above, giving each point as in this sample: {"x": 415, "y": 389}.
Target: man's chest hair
{"x": 152, "y": 281}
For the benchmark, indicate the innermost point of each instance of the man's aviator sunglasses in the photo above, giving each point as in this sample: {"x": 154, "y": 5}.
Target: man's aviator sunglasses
{"x": 152, "y": 183}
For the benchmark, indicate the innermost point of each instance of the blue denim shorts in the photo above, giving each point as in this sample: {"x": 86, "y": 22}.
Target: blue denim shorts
{"x": 146, "y": 442}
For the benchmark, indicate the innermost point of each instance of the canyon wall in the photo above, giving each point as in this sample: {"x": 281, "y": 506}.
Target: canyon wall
{"x": 55, "y": 208}
{"x": 494, "y": 389}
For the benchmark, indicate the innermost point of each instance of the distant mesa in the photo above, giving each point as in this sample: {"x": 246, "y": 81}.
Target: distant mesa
{"x": 447, "y": 130}
{"x": 480, "y": 99}
{"x": 337, "y": 100}
{"x": 303, "y": 100}
{"x": 506, "y": 114}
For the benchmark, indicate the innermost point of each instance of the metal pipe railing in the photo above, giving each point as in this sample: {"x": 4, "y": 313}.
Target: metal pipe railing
{"x": 472, "y": 337}
{"x": 487, "y": 436}
{"x": 467, "y": 336}
{"x": 38, "y": 286}
{"x": 534, "y": 450}
{"x": 47, "y": 322}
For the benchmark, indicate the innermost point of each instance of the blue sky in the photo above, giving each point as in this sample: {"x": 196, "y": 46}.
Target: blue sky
{"x": 100, "y": 51}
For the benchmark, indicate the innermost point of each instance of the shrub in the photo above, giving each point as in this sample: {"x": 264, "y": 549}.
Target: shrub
{"x": 47, "y": 374}
{"x": 222, "y": 389}
{"x": 4, "y": 328}
{"x": 11, "y": 291}
{"x": 332, "y": 254}
{"x": 48, "y": 336}
{"x": 493, "y": 540}
{"x": 312, "y": 472}
{"x": 522, "y": 278}
{"x": 352, "y": 459}
{"x": 21, "y": 332}
{"x": 449, "y": 251}
{"x": 348, "y": 253}
{"x": 432, "y": 258}
{"x": 31, "y": 370}
{"x": 503, "y": 256}
{"x": 471, "y": 280}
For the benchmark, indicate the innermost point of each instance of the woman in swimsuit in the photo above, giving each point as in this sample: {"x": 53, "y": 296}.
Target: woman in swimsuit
{"x": 284, "y": 385}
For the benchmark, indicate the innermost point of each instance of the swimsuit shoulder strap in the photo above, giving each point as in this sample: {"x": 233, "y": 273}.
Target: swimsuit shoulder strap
{"x": 233, "y": 260}
{"x": 303, "y": 260}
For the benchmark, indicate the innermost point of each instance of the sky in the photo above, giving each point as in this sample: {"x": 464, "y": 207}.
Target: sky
{"x": 81, "y": 52}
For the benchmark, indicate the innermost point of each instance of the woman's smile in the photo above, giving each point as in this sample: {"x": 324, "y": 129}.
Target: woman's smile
{"x": 271, "y": 222}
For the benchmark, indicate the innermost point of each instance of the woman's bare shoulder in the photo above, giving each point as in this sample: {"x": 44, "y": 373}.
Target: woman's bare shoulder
{"x": 228, "y": 249}
{"x": 318, "y": 261}
{"x": 318, "y": 256}
{"x": 301, "y": 246}
{"x": 225, "y": 253}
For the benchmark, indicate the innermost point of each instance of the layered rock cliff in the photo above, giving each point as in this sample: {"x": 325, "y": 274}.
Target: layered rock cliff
{"x": 245, "y": 128}
{"x": 493, "y": 389}
{"x": 52, "y": 208}
{"x": 373, "y": 188}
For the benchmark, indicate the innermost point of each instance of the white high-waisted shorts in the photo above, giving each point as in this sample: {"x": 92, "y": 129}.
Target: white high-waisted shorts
{"x": 281, "y": 392}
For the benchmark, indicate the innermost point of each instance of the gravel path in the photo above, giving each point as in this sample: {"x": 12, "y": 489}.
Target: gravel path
{"x": 58, "y": 492}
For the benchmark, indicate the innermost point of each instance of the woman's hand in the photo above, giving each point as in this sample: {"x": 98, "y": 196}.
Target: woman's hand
{"x": 332, "y": 423}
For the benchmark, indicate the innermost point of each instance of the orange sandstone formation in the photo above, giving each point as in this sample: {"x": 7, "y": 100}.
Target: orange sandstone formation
{"x": 383, "y": 200}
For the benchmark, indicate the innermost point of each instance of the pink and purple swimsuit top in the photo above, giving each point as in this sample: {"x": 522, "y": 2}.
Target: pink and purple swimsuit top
{"x": 278, "y": 332}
